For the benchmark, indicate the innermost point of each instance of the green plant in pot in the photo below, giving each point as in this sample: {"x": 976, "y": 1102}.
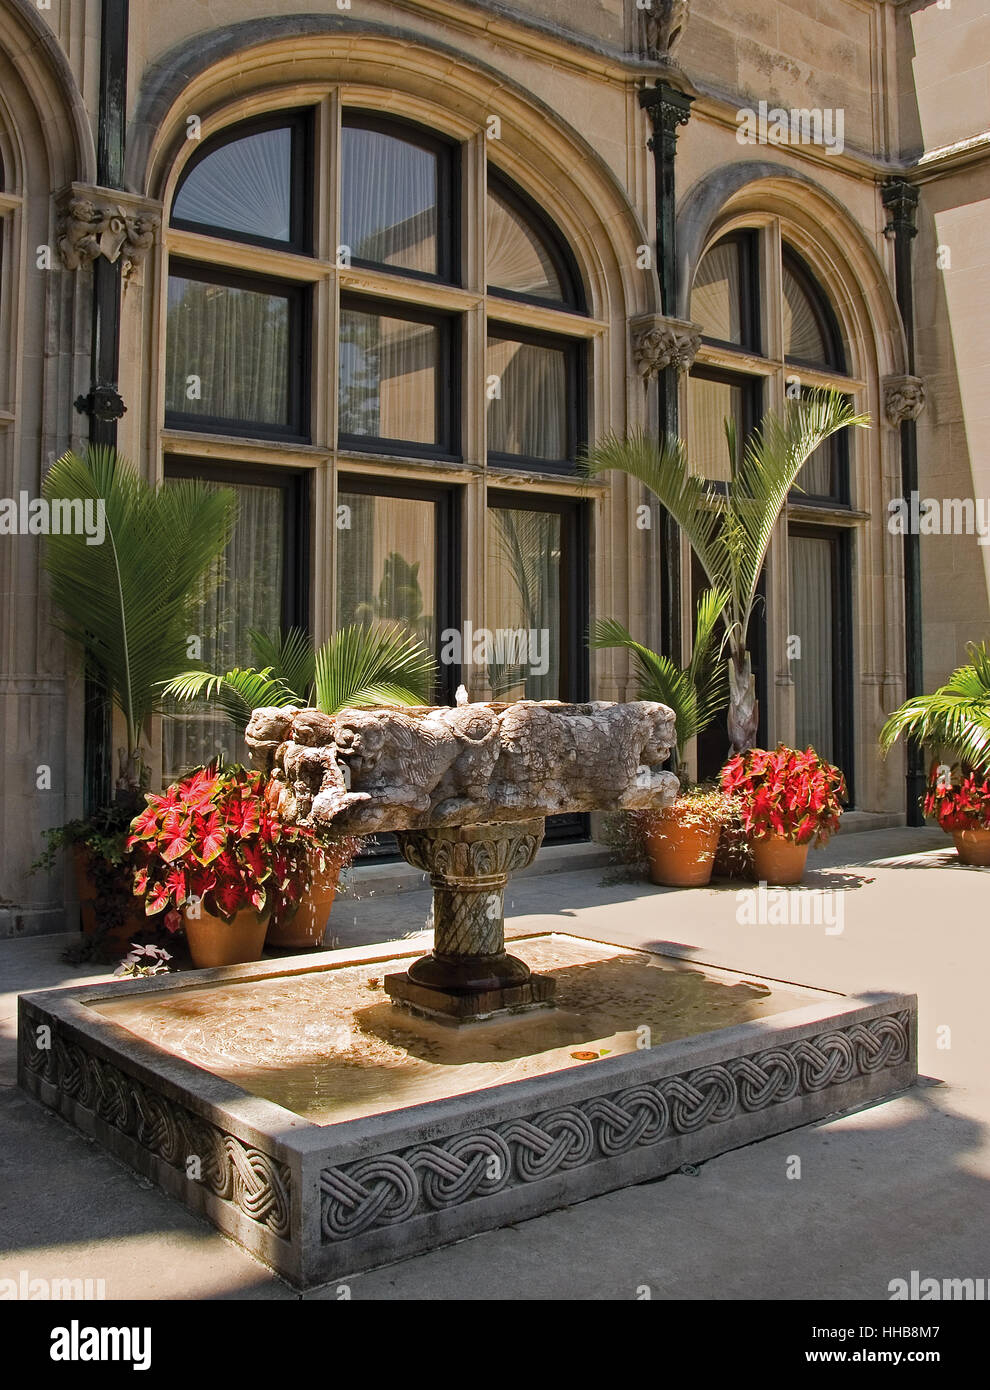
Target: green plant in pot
{"x": 786, "y": 800}
{"x": 680, "y": 842}
{"x": 128, "y": 602}
{"x": 212, "y": 855}
{"x": 358, "y": 667}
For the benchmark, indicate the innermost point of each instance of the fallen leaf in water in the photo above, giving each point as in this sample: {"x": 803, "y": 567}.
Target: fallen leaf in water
{"x": 585, "y": 1056}
{"x": 605, "y": 1051}
{"x": 374, "y": 982}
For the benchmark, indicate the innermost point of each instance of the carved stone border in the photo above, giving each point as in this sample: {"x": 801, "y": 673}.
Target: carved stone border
{"x": 390, "y": 1188}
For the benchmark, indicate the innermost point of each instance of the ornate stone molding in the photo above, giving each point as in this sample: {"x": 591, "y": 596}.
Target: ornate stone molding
{"x": 903, "y": 398}
{"x": 662, "y": 28}
{"x": 388, "y": 1189}
{"x": 659, "y": 342}
{"x": 233, "y": 1171}
{"x": 95, "y": 222}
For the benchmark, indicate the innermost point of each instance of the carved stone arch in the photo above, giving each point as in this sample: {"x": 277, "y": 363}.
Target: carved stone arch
{"x": 425, "y": 80}
{"x": 831, "y": 241}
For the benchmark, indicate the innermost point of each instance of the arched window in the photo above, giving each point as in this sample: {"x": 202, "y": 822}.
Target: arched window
{"x": 319, "y": 322}
{"x": 769, "y": 335}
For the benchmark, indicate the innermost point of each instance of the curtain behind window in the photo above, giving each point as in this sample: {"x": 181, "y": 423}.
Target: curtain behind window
{"x": 523, "y": 583}
{"x": 527, "y": 415}
{"x": 811, "y": 576}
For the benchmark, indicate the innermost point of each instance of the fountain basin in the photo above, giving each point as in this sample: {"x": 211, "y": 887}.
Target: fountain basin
{"x": 290, "y": 1104}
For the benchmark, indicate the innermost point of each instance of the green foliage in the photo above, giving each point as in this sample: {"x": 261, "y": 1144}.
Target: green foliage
{"x": 129, "y": 602}
{"x": 956, "y": 717}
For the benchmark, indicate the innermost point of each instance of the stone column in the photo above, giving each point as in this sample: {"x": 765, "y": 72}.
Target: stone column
{"x": 468, "y": 975}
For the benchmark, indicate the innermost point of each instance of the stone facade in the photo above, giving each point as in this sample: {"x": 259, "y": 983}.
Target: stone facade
{"x": 562, "y": 76}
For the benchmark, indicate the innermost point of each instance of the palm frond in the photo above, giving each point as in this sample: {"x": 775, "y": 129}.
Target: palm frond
{"x": 955, "y": 718}
{"x": 289, "y": 655}
{"x": 237, "y": 693}
{"x": 659, "y": 678}
{"x": 373, "y": 665}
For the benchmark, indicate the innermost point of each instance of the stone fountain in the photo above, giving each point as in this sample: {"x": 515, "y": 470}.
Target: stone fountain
{"x": 467, "y": 790}
{"x": 331, "y": 1125}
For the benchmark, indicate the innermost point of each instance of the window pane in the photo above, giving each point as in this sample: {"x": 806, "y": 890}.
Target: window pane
{"x": 811, "y": 576}
{"x": 227, "y": 353}
{"x": 710, "y": 403}
{"x": 389, "y": 201}
{"x": 803, "y": 335}
{"x": 818, "y": 477}
{"x": 716, "y": 300}
{"x": 388, "y": 377}
{"x": 386, "y": 562}
{"x": 518, "y": 259}
{"x": 244, "y": 187}
{"x": 527, "y": 409}
{"x": 524, "y": 603}
{"x": 249, "y": 596}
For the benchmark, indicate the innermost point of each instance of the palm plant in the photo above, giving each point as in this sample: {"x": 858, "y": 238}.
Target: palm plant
{"x": 730, "y": 531}
{"x": 956, "y": 717}
{"x": 358, "y": 666}
{"x": 696, "y": 693}
{"x": 130, "y": 601}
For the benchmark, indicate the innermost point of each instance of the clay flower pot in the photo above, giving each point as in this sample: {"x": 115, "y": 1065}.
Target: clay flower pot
{"x": 212, "y": 941}
{"x": 94, "y": 907}
{"x": 680, "y": 855}
{"x": 973, "y": 846}
{"x": 304, "y": 927}
{"x": 779, "y": 860}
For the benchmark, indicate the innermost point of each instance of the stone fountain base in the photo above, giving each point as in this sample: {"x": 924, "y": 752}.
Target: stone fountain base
{"x": 291, "y": 1104}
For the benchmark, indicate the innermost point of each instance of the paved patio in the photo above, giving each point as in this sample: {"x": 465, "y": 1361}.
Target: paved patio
{"x": 897, "y": 1187}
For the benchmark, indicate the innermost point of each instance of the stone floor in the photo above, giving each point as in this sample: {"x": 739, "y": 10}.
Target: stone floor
{"x": 898, "y": 1187}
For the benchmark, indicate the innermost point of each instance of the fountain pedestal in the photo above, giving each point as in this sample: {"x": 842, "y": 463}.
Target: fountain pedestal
{"x": 468, "y": 975}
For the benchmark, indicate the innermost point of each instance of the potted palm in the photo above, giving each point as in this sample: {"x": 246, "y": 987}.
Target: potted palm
{"x": 680, "y": 841}
{"x": 214, "y": 858}
{"x": 129, "y": 604}
{"x": 730, "y": 530}
{"x": 359, "y": 666}
{"x": 955, "y": 720}
{"x": 786, "y": 799}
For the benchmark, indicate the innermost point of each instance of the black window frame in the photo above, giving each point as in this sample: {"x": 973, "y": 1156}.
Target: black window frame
{"x": 843, "y": 690}
{"x": 840, "y": 458}
{"x": 576, "y": 402}
{"x": 447, "y": 396}
{"x": 825, "y": 315}
{"x": 448, "y": 157}
{"x": 753, "y": 395}
{"x": 750, "y": 316}
{"x": 296, "y": 488}
{"x": 299, "y": 297}
{"x": 301, "y": 212}
{"x": 556, "y": 244}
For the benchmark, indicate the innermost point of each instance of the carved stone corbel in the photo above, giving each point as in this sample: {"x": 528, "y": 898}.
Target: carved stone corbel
{"x": 903, "y": 398}
{"x": 95, "y": 222}
{"x": 662, "y": 25}
{"x": 659, "y": 342}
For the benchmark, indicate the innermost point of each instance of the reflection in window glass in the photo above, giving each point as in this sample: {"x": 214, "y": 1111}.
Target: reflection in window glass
{"x": 249, "y": 596}
{"x": 386, "y": 562}
{"x": 227, "y": 353}
{"x": 518, "y": 259}
{"x": 803, "y": 335}
{"x": 389, "y": 201}
{"x": 710, "y": 403}
{"x": 811, "y": 560}
{"x": 388, "y": 377}
{"x": 716, "y": 298}
{"x": 527, "y": 407}
{"x": 243, "y": 187}
{"x": 524, "y": 597}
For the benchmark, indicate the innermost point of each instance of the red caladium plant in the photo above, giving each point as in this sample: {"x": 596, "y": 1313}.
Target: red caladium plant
{"x": 957, "y": 797}
{"x": 786, "y": 792}
{"x": 214, "y": 839}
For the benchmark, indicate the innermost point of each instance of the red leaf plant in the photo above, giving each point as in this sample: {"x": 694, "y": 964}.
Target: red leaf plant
{"x": 786, "y": 792}
{"x": 212, "y": 837}
{"x": 959, "y": 801}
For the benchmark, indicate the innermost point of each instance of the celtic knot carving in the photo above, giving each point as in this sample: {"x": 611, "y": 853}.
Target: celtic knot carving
{"x": 391, "y": 1188}
{"x": 257, "y": 1185}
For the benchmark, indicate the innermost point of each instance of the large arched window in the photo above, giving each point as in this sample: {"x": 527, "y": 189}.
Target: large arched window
{"x": 769, "y": 332}
{"x": 349, "y": 320}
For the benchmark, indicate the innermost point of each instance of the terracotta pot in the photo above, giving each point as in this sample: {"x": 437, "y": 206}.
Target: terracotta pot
{"x": 680, "y": 856}
{"x": 212, "y": 941}
{"x": 305, "y": 927}
{"x": 778, "y": 860}
{"x": 973, "y": 846}
{"x": 733, "y": 858}
{"x": 115, "y": 897}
